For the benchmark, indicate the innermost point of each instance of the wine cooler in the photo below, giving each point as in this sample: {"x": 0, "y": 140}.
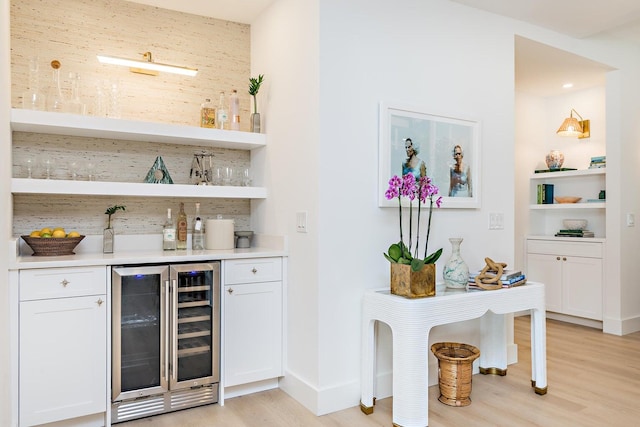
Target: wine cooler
{"x": 165, "y": 338}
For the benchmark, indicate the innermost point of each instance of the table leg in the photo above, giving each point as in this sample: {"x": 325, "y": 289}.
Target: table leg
{"x": 410, "y": 375}
{"x": 493, "y": 344}
{"x": 539, "y": 351}
{"x": 368, "y": 365}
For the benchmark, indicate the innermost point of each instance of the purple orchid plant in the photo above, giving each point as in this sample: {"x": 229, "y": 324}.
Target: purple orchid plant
{"x": 423, "y": 189}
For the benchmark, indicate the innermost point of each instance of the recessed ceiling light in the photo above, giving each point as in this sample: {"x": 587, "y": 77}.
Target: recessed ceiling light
{"x": 567, "y": 85}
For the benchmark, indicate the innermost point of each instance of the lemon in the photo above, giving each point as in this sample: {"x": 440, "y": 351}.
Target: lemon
{"x": 45, "y": 230}
{"x": 73, "y": 234}
{"x": 58, "y": 228}
{"x": 35, "y": 233}
{"x": 58, "y": 233}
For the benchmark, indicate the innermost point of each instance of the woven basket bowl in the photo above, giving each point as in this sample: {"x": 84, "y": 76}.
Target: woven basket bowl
{"x": 52, "y": 246}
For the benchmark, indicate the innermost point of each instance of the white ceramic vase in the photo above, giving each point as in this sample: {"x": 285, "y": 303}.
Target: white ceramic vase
{"x": 456, "y": 271}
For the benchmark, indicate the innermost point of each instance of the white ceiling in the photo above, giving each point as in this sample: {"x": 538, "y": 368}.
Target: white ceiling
{"x": 540, "y": 69}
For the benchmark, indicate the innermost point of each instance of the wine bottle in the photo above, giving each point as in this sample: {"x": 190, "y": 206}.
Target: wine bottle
{"x": 221, "y": 113}
{"x": 169, "y": 233}
{"x": 234, "y": 110}
{"x": 197, "y": 236}
{"x": 181, "y": 241}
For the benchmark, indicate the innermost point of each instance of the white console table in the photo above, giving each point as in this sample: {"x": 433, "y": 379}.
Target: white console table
{"x": 411, "y": 320}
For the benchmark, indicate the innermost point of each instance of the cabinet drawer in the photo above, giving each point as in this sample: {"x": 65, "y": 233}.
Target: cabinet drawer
{"x": 252, "y": 270}
{"x": 62, "y": 282}
{"x": 583, "y": 249}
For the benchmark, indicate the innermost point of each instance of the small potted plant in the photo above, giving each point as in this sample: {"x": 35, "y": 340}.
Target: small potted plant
{"x": 108, "y": 234}
{"x": 254, "y": 87}
{"x": 413, "y": 276}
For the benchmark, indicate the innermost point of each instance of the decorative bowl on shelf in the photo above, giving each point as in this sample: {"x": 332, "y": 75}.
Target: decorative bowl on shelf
{"x": 574, "y": 224}
{"x": 567, "y": 199}
{"x": 52, "y": 246}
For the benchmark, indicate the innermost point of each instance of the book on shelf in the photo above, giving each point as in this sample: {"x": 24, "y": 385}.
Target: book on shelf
{"x": 472, "y": 285}
{"x": 597, "y": 165}
{"x": 598, "y": 159}
{"x": 554, "y": 170}
{"x": 575, "y": 233}
{"x": 508, "y": 282}
{"x": 506, "y": 274}
{"x": 545, "y": 194}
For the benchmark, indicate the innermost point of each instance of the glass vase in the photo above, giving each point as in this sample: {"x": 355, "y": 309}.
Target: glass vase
{"x": 107, "y": 240}
{"x": 456, "y": 271}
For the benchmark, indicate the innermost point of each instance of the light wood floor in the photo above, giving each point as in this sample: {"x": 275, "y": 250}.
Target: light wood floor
{"x": 593, "y": 378}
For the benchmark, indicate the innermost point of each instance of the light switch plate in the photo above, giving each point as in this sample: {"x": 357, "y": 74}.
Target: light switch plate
{"x": 496, "y": 221}
{"x": 631, "y": 220}
{"x": 301, "y": 222}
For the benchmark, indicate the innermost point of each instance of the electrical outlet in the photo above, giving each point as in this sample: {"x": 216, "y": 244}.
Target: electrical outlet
{"x": 301, "y": 222}
{"x": 631, "y": 220}
{"x": 496, "y": 221}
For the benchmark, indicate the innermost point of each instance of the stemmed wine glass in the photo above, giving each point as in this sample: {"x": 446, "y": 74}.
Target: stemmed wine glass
{"x": 30, "y": 164}
{"x": 48, "y": 164}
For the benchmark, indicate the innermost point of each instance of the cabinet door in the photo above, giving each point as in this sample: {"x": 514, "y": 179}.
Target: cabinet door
{"x": 253, "y": 332}
{"x": 63, "y": 359}
{"x": 582, "y": 278}
{"x": 547, "y": 269}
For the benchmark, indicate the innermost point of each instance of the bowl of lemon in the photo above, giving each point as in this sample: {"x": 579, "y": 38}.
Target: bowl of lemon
{"x": 53, "y": 241}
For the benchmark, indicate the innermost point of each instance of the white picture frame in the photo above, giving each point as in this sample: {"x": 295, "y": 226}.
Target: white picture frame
{"x": 434, "y": 137}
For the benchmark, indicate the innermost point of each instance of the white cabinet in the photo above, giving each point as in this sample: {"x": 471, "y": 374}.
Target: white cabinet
{"x": 253, "y": 318}
{"x": 572, "y": 273}
{"x": 546, "y": 219}
{"x": 62, "y": 344}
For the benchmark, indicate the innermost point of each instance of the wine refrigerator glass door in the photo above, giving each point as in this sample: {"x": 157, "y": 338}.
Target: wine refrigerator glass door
{"x": 195, "y": 331}
{"x": 140, "y": 325}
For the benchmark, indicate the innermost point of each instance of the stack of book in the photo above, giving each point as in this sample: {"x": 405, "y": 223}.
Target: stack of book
{"x": 509, "y": 279}
{"x": 545, "y": 194}
{"x": 575, "y": 233}
{"x": 598, "y": 162}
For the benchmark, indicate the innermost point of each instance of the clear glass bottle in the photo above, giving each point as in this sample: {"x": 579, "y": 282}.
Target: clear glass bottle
{"x": 207, "y": 114}
{"x": 55, "y": 99}
{"x": 76, "y": 106}
{"x": 197, "y": 236}
{"x": 221, "y": 113}
{"x": 169, "y": 233}
{"x": 234, "y": 110}
{"x": 181, "y": 241}
{"x": 32, "y": 98}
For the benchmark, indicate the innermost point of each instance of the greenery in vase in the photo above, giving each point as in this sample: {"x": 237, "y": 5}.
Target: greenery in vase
{"x": 254, "y": 87}
{"x": 112, "y": 210}
{"x": 423, "y": 189}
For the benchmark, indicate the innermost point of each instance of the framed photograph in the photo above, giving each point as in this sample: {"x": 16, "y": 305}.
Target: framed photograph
{"x": 448, "y": 147}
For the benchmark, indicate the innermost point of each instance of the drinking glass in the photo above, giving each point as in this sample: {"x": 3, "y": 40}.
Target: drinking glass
{"x": 90, "y": 168}
{"x": 227, "y": 177}
{"x": 74, "y": 170}
{"x": 30, "y": 164}
{"x": 246, "y": 177}
{"x": 48, "y": 164}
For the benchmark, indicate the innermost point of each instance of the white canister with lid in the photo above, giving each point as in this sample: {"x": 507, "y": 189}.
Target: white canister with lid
{"x": 219, "y": 234}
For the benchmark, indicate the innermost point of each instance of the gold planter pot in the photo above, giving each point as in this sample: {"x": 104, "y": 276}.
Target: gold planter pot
{"x": 413, "y": 284}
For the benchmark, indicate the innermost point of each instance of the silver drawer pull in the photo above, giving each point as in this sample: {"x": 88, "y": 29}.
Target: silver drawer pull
{"x": 99, "y": 302}
{"x": 230, "y": 291}
{"x": 65, "y": 282}
{"x": 253, "y": 270}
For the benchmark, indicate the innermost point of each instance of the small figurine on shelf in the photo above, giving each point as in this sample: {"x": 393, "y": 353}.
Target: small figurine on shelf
{"x": 254, "y": 87}
{"x": 108, "y": 234}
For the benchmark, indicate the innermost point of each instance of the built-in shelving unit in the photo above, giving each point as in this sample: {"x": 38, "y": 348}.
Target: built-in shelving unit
{"x": 134, "y": 130}
{"x": 546, "y": 219}
{"x": 100, "y": 127}
{"x": 103, "y": 188}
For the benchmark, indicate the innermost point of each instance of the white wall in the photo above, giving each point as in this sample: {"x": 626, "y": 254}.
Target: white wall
{"x": 5, "y": 218}
{"x": 440, "y": 57}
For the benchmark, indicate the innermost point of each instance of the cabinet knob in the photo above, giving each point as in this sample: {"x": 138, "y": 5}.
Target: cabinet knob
{"x": 253, "y": 270}
{"x": 99, "y": 302}
{"x": 557, "y": 258}
{"x": 564, "y": 258}
{"x": 230, "y": 290}
{"x": 64, "y": 282}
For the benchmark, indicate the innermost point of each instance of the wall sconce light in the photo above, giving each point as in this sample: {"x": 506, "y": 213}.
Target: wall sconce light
{"x": 574, "y": 127}
{"x": 147, "y": 66}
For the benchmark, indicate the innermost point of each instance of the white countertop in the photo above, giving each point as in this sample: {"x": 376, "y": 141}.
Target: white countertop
{"x": 268, "y": 246}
